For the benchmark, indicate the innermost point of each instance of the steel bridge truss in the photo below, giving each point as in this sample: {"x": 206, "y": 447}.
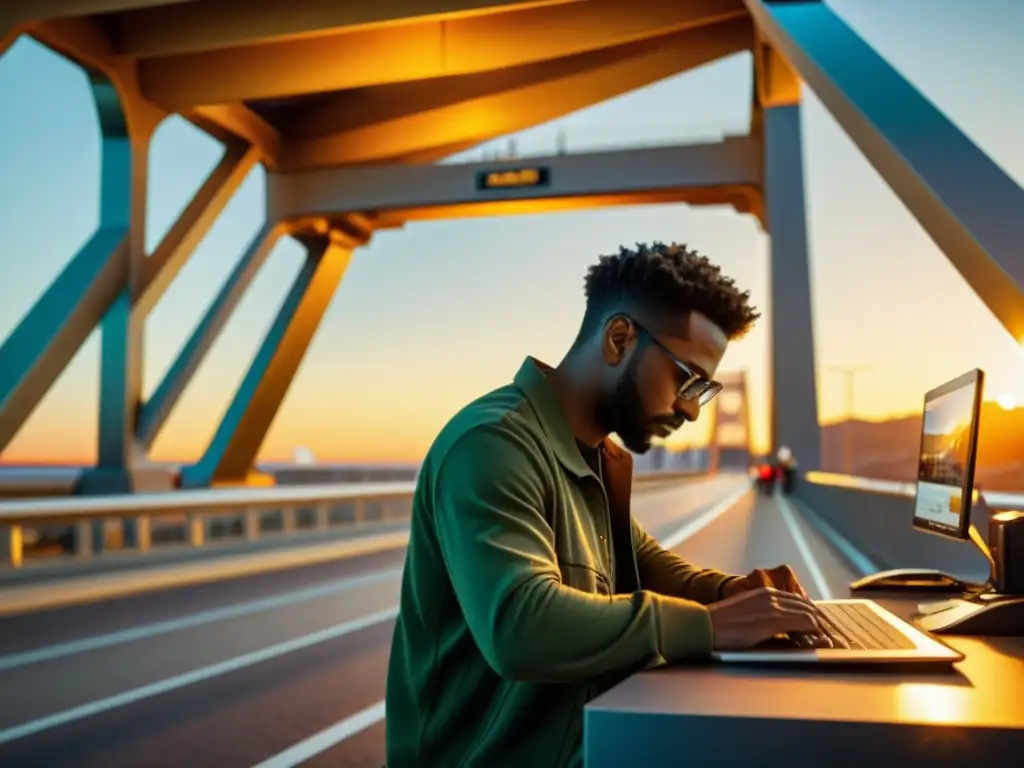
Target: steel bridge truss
{"x": 147, "y": 59}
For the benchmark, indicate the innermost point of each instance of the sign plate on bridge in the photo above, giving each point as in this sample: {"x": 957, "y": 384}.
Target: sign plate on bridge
{"x": 512, "y": 178}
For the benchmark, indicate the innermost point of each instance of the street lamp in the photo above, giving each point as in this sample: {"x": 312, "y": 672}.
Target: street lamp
{"x": 849, "y": 373}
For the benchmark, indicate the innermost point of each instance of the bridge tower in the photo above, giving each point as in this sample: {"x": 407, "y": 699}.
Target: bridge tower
{"x": 729, "y": 444}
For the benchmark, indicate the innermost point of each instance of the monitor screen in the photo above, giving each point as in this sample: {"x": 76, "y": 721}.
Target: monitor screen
{"x": 945, "y": 467}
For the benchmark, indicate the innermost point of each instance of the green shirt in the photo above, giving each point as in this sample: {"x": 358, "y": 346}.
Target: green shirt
{"x": 528, "y": 589}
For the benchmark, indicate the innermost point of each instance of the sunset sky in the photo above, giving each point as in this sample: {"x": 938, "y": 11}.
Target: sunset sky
{"x": 433, "y": 315}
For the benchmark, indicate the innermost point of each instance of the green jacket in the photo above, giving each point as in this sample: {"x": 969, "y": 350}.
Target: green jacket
{"x": 528, "y": 589}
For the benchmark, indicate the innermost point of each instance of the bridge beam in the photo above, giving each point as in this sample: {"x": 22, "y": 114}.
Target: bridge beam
{"x": 10, "y": 31}
{"x": 722, "y": 173}
{"x": 230, "y": 123}
{"x": 18, "y": 16}
{"x": 410, "y": 52}
{"x": 218, "y": 24}
{"x": 232, "y": 451}
{"x": 968, "y": 205}
{"x": 387, "y": 123}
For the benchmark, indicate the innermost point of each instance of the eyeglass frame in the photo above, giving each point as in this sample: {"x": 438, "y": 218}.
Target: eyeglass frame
{"x": 692, "y": 377}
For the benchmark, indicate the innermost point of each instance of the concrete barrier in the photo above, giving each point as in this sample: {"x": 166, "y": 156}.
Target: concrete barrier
{"x": 879, "y": 525}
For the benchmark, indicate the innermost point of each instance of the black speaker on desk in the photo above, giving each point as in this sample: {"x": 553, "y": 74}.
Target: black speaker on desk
{"x": 998, "y": 608}
{"x": 1006, "y": 543}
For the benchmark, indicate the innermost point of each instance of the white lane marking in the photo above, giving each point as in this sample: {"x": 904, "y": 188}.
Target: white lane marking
{"x": 195, "y": 676}
{"x": 693, "y": 527}
{"x": 327, "y": 738}
{"x": 820, "y": 582}
{"x": 95, "y": 642}
{"x": 861, "y": 562}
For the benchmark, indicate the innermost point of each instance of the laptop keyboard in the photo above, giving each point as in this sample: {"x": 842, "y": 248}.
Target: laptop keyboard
{"x": 863, "y": 629}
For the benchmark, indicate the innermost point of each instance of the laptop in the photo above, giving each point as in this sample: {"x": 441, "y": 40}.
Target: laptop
{"x": 865, "y": 633}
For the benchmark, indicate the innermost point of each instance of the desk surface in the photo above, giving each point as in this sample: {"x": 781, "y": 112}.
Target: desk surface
{"x": 985, "y": 694}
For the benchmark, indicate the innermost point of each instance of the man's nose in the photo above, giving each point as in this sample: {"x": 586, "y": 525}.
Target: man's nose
{"x": 688, "y": 409}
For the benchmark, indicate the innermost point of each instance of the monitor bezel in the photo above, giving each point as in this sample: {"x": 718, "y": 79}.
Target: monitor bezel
{"x": 961, "y": 533}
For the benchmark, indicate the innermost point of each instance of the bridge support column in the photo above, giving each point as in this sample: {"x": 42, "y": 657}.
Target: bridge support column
{"x": 232, "y": 451}
{"x": 120, "y": 465}
{"x": 794, "y": 395}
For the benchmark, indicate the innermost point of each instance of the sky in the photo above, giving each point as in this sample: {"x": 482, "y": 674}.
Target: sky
{"x": 949, "y": 412}
{"x": 433, "y": 315}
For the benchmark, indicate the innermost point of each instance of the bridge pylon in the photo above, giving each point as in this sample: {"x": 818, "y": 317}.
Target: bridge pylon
{"x": 729, "y": 442}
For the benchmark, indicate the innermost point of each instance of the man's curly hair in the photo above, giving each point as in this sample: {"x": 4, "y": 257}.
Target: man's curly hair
{"x": 666, "y": 279}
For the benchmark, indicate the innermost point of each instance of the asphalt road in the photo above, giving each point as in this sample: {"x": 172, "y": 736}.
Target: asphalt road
{"x": 288, "y": 668}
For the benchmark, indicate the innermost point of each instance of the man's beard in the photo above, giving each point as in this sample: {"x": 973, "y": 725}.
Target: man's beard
{"x": 623, "y": 412}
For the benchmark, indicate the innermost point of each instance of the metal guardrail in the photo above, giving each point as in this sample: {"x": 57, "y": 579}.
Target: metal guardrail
{"x": 559, "y": 139}
{"x": 23, "y": 481}
{"x": 200, "y": 507}
{"x": 999, "y": 500}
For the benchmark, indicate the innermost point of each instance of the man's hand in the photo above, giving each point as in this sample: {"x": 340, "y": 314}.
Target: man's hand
{"x": 751, "y": 617}
{"x": 780, "y": 578}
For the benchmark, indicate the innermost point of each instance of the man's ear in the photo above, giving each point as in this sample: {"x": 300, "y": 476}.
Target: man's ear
{"x": 618, "y": 332}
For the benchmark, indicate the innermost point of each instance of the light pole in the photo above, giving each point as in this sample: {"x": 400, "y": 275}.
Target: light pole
{"x": 849, "y": 373}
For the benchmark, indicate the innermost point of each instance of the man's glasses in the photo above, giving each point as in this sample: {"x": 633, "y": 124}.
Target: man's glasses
{"x": 695, "y": 386}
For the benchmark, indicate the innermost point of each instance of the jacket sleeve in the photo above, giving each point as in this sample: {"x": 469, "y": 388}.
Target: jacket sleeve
{"x": 667, "y": 573}
{"x": 490, "y": 498}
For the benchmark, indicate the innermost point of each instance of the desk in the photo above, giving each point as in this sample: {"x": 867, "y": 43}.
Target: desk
{"x": 718, "y": 715}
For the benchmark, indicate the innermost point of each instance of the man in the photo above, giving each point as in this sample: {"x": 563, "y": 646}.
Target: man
{"x": 528, "y": 588}
{"x": 787, "y": 468}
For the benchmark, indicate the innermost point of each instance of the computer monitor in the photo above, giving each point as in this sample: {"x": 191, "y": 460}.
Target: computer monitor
{"x": 945, "y": 466}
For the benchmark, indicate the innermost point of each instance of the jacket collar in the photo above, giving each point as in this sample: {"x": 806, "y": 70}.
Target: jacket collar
{"x": 533, "y": 381}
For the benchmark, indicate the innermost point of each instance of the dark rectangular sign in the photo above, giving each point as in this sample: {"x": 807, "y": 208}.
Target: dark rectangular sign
{"x": 512, "y": 178}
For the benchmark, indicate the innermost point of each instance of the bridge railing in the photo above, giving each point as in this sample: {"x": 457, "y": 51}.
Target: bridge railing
{"x": 554, "y": 140}
{"x": 871, "y": 520}
{"x": 78, "y": 525}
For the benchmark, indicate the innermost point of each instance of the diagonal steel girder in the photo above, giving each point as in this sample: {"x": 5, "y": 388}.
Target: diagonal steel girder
{"x": 157, "y": 409}
{"x": 968, "y": 205}
{"x": 232, "y": 451}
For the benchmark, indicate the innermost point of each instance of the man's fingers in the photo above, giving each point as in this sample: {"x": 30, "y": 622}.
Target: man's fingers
{"x": 783, "y": 623}
{"x": 762, "y": 577}
{"x": 785, "y": 578}
{"x": 785, "y": 604}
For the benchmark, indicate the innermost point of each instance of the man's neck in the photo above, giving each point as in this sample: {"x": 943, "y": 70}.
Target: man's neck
{"x": 578, "y": 396}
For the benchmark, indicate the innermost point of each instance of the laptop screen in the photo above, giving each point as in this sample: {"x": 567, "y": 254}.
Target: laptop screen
{"x": 945, "y": 470}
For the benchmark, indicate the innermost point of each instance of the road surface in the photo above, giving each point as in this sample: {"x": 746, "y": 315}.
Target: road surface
{"x": 288, "y": 668}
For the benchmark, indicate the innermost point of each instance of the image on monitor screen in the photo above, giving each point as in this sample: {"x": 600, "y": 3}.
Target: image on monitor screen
{"x": 944, "y": 465}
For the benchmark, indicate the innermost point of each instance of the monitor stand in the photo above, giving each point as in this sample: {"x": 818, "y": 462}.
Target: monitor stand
{"x": 987, "y": 613}
{"x": 977, "y": 610}
{"x": 927, "y": 579}
{"x": 912, "y": 580}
